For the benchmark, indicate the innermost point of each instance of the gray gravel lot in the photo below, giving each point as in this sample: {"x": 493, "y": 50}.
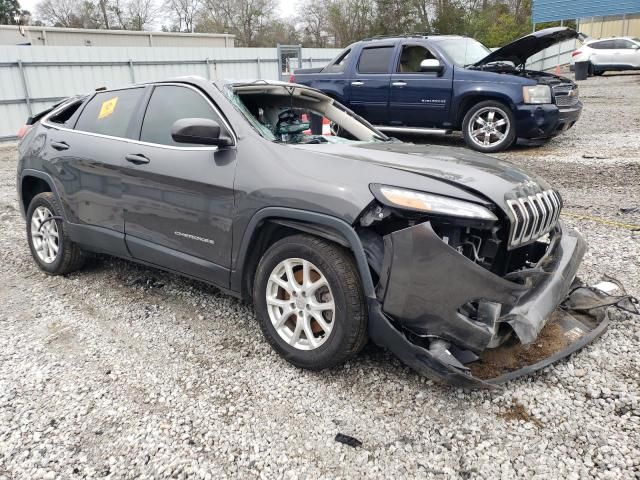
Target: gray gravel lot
{"x": 105, "y": 374}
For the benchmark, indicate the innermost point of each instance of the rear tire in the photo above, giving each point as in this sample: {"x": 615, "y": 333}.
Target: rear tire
{"x": 50, "y": 245}
{"x": 489, "y": 127}
{"x": 316, "y": 319}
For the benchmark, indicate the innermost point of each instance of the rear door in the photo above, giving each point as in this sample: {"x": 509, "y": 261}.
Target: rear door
{"x": 179, "y": 198}
{"x": 419, "y": 99}
{"x": 88, "y": 161}
{"x": 369, "y": 83}
{"x": 604, "y": 53}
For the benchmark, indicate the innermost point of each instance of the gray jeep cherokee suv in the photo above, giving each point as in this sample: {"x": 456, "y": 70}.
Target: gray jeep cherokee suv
{"x": 438, "y": 254}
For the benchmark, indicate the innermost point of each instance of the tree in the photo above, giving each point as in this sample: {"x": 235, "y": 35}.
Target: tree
{"x": 10, "y": 12}
{"x": 185, "y": 14}
{"x": 134, "y": 14}
{"x": 350, "y": 20}
{"x": 313, "y": 20}
{"x": 246, "y": 19}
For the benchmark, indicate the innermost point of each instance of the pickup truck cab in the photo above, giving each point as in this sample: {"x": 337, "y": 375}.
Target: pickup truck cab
{"x": 445, "y": 82}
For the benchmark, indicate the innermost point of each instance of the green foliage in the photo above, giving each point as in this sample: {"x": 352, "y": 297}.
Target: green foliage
{"x": 9, "y": 11}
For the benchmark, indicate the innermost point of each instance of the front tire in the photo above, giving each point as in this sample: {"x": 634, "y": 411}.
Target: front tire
{"x": 309, "y": 302}
{"x": 489, "y": 127}
{"x": 50, "y": 245}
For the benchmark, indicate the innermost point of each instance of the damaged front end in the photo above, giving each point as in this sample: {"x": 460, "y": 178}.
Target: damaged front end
{"x": 475, "y": 303}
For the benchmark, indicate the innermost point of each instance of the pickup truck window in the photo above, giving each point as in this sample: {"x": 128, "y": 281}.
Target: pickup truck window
{"x": 411, "y": 57}
{"x": 338, "y": 65}
{"x": 375, "y": 60}
{"x": 463, "y": 51}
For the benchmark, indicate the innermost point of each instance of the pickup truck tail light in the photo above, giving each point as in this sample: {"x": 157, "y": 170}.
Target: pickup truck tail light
{"x": 292, "y": 78}
{"x": 576, "y": 53}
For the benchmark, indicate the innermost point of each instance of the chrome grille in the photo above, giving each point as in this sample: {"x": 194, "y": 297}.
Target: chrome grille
{"x": 565, "y": 95}
{"x": 533, "y": 216}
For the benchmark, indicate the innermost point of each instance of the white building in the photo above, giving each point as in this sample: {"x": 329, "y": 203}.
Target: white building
{"x": 52, "y": 36}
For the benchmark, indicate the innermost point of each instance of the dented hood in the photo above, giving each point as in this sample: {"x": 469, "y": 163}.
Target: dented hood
{"x": 521, "y": 49}
{"x": 474, "y": 172}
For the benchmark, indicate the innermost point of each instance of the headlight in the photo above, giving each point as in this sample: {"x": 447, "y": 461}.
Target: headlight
{"x": 428, "y": 202}
{"x": 537, "y": 94}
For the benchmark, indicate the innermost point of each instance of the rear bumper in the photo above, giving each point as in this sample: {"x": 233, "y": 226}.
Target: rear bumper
{"x": 424, "y": 282}
{"x": 545, "y": 121}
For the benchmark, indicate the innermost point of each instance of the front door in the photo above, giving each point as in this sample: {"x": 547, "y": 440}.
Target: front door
{"x": 369, "y": 84}
{"x": 419, "y": 99}
{"x": 179, "y": 198}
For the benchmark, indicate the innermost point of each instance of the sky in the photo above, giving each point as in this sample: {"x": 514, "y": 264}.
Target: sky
{"x": 286, "y": 8}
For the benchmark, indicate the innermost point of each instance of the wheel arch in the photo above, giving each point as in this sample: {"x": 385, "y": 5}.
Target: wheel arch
{"x": 467, "y": 102}
{"x": 273, "y": 223}
{"x": 32, "y": 183}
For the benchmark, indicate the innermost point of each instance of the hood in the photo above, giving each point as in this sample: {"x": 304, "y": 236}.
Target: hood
{"x": 473, "y": 172}
{"x": 520, "y": 50}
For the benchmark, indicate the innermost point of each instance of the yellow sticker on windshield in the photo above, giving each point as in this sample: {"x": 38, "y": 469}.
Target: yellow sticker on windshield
{"x": 107, "y": 108}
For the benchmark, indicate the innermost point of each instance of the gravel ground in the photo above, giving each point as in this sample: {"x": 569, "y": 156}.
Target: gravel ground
{"x": 124, "y": 372}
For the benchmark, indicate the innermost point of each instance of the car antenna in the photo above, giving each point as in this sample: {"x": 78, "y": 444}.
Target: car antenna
{"x": 101, "y": 89}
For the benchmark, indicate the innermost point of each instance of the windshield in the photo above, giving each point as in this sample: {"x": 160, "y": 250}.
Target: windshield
{"x": 285, "y": 113}
{"x": 463, "y": 51}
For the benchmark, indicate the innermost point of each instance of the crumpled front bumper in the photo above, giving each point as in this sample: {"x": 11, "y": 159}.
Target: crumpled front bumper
{"x": 424, "y": 282}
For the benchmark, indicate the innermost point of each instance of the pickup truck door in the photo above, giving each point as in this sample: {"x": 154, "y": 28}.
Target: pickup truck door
{"x": 369, "y": 83}
{"x": 419, "y": 99}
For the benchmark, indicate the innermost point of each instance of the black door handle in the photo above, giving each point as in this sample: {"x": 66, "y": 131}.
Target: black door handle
{"x": 60, "y": 146}
{"x": 136, "y": 158}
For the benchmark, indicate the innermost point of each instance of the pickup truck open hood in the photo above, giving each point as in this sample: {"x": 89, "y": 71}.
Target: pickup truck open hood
{"x": 521, "y": 49}
{"x": 476, "y": 173}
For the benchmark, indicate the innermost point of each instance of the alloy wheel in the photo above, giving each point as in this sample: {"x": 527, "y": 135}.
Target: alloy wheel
{"x": 44, "y": 235}
{"x": 300, "y": 304}
{"x": 489, "y": 127}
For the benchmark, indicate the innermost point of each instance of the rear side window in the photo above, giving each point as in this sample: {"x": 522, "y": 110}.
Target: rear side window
{"x": 63, "y": 117}
{"x": 339, "y": 64}
{"x": 375, "y": 60}
{"x": 109, "y": 113}
{"x": 170, "y": 103}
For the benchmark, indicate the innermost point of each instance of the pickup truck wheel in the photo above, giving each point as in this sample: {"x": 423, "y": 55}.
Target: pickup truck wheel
{"x": 50, "y": 246}
{"x": 489, "y": 127}
{"x": 309, "y": 302}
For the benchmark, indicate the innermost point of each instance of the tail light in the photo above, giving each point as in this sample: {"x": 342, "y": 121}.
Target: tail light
{"x": 23, "y": 131}
{"x": 576, "y": 53}
{"x": 292, "y": 78}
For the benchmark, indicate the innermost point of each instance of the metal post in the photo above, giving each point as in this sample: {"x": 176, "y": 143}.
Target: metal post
{"x": 558, "y": 57}
{"x": 131, "y": 72}
{"x": 25, "y": 87}
{"x": 258, "y": 63}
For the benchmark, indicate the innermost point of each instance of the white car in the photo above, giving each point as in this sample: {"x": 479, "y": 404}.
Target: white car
{"x": 607, "y": 54}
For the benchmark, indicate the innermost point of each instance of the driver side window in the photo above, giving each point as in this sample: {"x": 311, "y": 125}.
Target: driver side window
{"x": 411, "y": 57}
{"x": 168, "y": 104}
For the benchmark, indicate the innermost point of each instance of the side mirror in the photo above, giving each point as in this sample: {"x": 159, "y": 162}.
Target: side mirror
{"x": 636, "y": 47}
{"x": 201, "y": 131}
{"x": 431, "y": 65}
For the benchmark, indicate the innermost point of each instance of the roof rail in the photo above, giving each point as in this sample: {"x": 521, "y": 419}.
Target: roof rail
{"x": 402, "y": 35}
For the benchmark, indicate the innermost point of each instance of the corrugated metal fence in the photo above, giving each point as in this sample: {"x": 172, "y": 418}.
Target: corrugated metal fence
{"x": 32, "y": 78}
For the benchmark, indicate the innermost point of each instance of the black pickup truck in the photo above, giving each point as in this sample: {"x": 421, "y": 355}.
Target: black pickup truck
{"x": 444, "y": 83}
